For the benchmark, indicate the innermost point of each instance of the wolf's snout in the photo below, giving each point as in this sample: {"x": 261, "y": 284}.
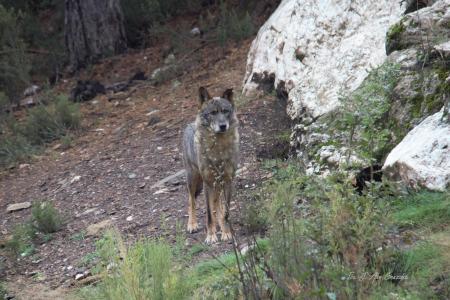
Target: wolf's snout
{"x": 223, "y": 128}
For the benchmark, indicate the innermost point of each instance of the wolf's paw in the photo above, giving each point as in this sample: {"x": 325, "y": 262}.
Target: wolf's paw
{"x": 211, "y": 239}
{"x": 226, "y": 236}
{"x": 192, "y": 227}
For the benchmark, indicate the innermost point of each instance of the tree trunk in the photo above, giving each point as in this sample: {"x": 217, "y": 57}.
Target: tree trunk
{"x": 93, "y": 29}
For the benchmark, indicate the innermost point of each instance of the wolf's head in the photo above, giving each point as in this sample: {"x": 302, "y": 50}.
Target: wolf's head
{"x": 217, "y": 113}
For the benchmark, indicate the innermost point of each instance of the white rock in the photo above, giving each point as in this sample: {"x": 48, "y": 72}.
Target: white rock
{"x": 31, "y": 90}
{"x": 18, "y": 206}
{"x": 75, "y": 179}
{"x": 195, "y": 31}
{"x": 422, "y": 159}
{"x": 130, "y": 218}
{"x": 320, "y": 48}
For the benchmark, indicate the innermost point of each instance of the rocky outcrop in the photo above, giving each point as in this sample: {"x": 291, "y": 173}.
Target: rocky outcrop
{"x": 412, "y": 84}
{"x": 421, "y": 30}
{"x": 422, "y": 159}
{"x": 309, "y": 51}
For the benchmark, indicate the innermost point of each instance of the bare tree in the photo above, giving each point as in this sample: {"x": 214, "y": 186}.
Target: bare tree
{"x": 93, "y": 29}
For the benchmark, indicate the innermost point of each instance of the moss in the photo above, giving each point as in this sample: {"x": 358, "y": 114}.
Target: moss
{"x": 393, "y": 37}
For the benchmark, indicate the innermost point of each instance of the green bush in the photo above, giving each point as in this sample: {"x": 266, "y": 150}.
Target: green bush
{"x": 13, "y": 149}
{"x": 43, "y": 124}
{"x": 363, "y": 116}
{"x": 142, "y": 271}
{"x": 141, "y": 16}
{"x": 45, "y": 218}
{"x": 233, "y": 25}
{"x": 21, "y": 242}
{"x": 14, "y": 62}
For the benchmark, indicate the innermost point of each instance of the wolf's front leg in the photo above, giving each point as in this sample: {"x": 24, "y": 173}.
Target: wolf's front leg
{"x": 225, "y": 211}
{"x": 212, "y": 196}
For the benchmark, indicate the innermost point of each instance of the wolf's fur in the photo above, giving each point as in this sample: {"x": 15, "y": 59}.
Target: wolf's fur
{"x": 210, "y": 152}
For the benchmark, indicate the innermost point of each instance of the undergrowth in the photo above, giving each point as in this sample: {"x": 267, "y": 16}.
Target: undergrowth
{"x": 142, "y": 271}
{"x": 42, "y": 124}
{"x": 45, "y": 220}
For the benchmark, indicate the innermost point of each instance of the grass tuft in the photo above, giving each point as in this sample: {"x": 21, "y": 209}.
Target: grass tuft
{"x": 45, "y": 217}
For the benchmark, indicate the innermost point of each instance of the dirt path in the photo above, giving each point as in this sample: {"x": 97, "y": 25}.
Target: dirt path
{"x": 109, "y": 171}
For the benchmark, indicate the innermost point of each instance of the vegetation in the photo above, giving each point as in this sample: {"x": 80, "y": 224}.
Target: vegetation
{"x": 3, "y": 291}
{"x": 324, "y": 241}
{"x": 233, "y": 25}
{"x": 42, "y": 124}
{"x": 14, "y": 62}
{"x": 364, "y": 115}
{"x": 143, "y": 271}
{"x": 45, "y": 217}
{"x": 45, "y": 220}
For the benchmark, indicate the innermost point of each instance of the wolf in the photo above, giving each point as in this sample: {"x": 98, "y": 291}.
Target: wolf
{"x": 210, "y": 155}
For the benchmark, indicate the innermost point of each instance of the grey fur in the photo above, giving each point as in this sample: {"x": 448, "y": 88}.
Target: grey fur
{"x": 210, "y": 152}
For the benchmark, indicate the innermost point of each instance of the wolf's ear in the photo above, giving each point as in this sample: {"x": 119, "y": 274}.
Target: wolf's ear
{"x": 203, "y": 95}
{"x": 228, "y": 94}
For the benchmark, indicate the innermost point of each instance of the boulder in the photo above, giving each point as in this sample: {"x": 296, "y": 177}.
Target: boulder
{"x": 309, "y": 51}
{"x": 422, "y": 159}
{"x": 421, "y": 29}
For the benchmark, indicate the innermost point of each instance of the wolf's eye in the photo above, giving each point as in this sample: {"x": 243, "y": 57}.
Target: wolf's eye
{"x": 226, "y": 111}
{"x": 214, "y": 112}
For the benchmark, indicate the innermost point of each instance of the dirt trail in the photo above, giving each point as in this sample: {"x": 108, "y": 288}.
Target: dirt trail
{"x": 108, "y": 172}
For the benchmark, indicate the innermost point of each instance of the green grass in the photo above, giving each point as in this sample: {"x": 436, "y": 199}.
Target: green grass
{"x": 197, "y": 249}
{"x": 423, "y": 210}
{"x": 80, "y": 236}
{"x": 215, "y": 278}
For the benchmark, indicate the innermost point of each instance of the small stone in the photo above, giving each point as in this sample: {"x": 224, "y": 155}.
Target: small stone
{"x": 130, "y": 218}
{"x": 159, "y": 148}
{"x": 132, "y": 175}
{"x": 153, "y": 120}
{"x": 18, "y": 206}
{"x": 161, "y": 191}
{"x": 195, "y": 31}
{"x": 152, "y": 112}
{"x": 142, "y": 185}
{"x": 75, "y": 179}
{"x": 79, "y": 276}
{"x": 23, "y": 166}
{"x": 170, "y": 59}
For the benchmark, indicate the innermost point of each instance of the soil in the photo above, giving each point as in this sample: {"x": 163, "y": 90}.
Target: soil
{"x": 130, "y": 141}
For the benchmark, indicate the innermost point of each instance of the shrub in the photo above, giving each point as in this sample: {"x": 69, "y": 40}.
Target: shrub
{"x": 142, "y": 271}
{"x": 45, "y": 218}
{"x": 3, "y": 291}
{"x": 363, "y": 115}
{"x": 47, "y": 123}
{"x": 21, "y": 242}
{"x": 14, "y": 62}
{"x": 42, "y": 124}
{"x": 141, "y": 16}
{"x": 233, "y": 25}
{"x": 13, "y": 149}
